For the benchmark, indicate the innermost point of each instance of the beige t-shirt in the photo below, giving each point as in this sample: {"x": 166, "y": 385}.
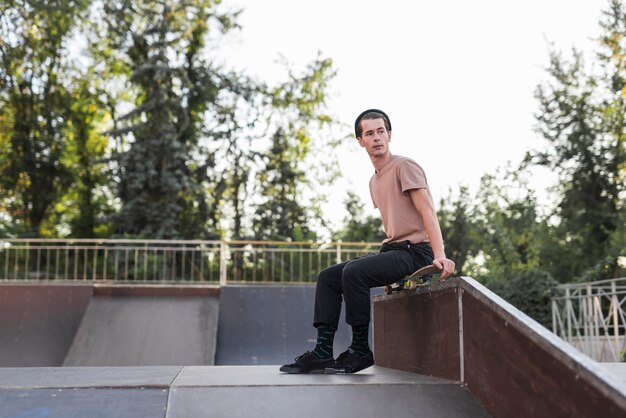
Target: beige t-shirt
{"x": 389, "y": 189}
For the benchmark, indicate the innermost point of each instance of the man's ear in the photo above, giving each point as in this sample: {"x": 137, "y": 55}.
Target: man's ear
{"x": 389, "y": 132}
{"x": 360, "y": 142}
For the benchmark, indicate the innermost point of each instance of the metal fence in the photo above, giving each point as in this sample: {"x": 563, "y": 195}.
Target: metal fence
{"x": 591, "y": 317}
{"x": 167, "y": 261}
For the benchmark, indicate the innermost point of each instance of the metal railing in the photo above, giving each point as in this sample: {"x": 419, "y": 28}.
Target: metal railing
{"x": 590, "y": 316}
{"x": 167, "y": 261}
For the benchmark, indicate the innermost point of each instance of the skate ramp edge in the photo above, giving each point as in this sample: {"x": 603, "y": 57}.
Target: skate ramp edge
{"x": 460, "y": 330}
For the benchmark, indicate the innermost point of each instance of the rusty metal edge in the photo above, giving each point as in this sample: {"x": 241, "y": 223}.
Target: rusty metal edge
{"x": 605, "y": 382}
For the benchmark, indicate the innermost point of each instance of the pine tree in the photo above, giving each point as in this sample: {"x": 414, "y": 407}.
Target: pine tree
{"x": 162, "y": 172}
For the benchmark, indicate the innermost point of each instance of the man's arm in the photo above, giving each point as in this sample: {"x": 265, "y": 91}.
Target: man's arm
{"x": 425, "y": 207}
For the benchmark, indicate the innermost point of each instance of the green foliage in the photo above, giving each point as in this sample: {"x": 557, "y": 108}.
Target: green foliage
{"x": 358, "y": 227}
{"x": 507, "y": 224}
{"x": 495, "y": 233}
{"x": 158, "y": 45}
{"x": 459, "y": 228}
{"x": 139, "y": 133}
{"x": 529, "y": 291}
{"x": 85, "y": 205}
{"x": 506, "y": 243}
{"x": 582, "y": 117}
{"x": 298, "y": 105}
{"x": 34, "y": 106}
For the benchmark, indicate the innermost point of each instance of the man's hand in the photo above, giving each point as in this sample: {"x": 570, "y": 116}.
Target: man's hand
{"x": 445, "y": 265}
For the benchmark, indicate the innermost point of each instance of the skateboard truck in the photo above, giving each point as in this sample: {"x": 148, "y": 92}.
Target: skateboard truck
{"x": 417, "y": 279}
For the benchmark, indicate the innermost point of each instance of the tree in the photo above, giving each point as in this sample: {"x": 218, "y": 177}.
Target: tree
{"x": 162, "y": 170}
{"x": 356, "y": 226}
{"x": 296, "y": 111}
{"x": 86, "y": 205}
{"x": 34, "y": 106}
{"x": 507, "y": 224}
{"x": 498, "y": 238}
{"x": 529, "y": 291}
{"x": 581, "y": 115}
{"x": 459, "y": 228}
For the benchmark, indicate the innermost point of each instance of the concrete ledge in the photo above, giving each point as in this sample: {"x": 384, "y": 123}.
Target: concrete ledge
{"x": 110, "y": 289}
{"x": 418, "y": 331}
{"x": 513, "y": 365}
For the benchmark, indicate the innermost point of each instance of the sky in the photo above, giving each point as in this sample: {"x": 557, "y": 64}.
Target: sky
{"x": 457, "y": 78}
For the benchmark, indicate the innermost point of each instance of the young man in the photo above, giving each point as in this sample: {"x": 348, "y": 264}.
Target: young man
{"x": 399, "y": 190}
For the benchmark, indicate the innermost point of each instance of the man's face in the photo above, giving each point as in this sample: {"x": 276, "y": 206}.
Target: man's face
{"x": 375, "y": 137}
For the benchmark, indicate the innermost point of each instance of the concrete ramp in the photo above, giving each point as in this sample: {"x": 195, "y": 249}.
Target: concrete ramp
{"x": 229, "y": 391}
{"x": 143, "y": 330}
{"x": 268, "y": 324}
{"x": 271, "y": 324}
{"x": 38, "y": 322}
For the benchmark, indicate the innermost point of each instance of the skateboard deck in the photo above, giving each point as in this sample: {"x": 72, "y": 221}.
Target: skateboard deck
{"x": 419, "y": 278}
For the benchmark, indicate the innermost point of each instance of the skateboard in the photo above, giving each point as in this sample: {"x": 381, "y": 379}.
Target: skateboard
{"x": 420, "y": 278}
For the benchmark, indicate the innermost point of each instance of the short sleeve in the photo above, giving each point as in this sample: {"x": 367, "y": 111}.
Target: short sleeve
{"x": 412, "y": 176}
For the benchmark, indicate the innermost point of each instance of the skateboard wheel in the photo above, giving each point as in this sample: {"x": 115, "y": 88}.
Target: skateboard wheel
{"x": 388, "y": 290}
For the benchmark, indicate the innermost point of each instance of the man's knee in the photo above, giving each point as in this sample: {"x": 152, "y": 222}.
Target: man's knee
{"x": 352, "y": 273}
{"x": 329, "y": 275}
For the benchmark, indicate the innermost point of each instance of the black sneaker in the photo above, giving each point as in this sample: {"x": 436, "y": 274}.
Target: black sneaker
{"x": 351, "y": 362}
{"x": 307, "y": 363}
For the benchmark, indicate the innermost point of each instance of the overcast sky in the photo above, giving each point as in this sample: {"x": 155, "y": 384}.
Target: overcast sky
{"x": 456, "y": 77}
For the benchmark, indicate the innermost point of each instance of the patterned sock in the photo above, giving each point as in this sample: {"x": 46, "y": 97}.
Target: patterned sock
{"x": 325, "y": 337}
{"x": 360, "y": 342}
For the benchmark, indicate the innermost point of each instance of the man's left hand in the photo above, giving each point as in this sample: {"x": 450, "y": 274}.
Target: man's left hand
{"x": 445, "y": 265}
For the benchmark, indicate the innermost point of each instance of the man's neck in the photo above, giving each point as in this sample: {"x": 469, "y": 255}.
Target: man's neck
{"x": 380, "y": 161}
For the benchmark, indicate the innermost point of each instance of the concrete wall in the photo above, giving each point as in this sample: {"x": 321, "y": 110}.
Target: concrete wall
{"x": 514, "y": 366}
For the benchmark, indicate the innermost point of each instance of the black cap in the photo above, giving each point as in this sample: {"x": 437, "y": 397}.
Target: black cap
{"x": 358, "y": 120}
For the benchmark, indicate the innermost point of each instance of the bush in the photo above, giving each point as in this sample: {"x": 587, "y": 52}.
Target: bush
{"x": 529, "y": 291}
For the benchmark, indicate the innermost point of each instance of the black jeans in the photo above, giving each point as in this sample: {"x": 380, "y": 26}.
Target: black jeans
{"x": 353, "y": 279}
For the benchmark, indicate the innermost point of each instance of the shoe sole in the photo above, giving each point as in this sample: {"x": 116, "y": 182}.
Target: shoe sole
{"x": 331, "y": 370}
{"x": 301, "y": 371}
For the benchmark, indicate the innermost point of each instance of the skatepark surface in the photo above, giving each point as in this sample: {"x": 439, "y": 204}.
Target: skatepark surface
{"x": 227, "y": 391}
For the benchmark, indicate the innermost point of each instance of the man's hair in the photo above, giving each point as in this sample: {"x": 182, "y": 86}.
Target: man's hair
{"x": 370, "y": 114}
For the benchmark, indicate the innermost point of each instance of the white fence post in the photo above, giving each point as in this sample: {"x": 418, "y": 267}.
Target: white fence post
{"x": 223, "y": 271}
{"x": 338, "y": 251}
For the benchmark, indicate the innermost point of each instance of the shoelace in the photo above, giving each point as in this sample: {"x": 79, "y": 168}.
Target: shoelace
{"x": 301, "y": 356}
{"x": 345, "y": 354}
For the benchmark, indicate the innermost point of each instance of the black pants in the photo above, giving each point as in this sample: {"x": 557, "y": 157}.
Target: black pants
{"x": 353, "y": 279}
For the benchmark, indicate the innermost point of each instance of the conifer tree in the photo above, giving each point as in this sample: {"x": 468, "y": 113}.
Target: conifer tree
{"x": 162, "y": 169}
